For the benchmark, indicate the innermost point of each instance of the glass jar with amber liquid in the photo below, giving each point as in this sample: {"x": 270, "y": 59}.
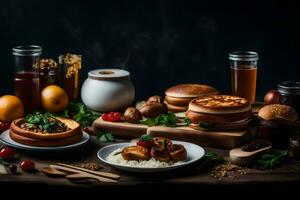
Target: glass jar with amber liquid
{"x": 48, "y": 69}
{"x": 70, "y": 66}
{"x": 243, "y": 67}
{"x": 26, "y": 76}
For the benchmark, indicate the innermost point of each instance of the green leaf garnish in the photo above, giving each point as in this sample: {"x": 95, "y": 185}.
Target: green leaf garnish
{"x": 104, "y": 137}
{"x": 187, "y": 121}
{"x": 272, "y": 159}
{"x": 79, "y": 112}
{"x": 146, "y": 137}
{"x": 168, "y": 119}
{"x": 206, "y": 125}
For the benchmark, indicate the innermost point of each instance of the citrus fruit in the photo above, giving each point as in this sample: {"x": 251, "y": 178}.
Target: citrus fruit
{"x": 11, "y": 108}
{"x": 54, "y": 99}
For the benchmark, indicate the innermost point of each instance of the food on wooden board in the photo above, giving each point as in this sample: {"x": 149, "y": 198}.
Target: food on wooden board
{"x": 219, "y": 111}
{"x": 11, "y": 108}
{"x": 45, "y": 130}
{"x": 54, "y": 99}
{"x": 132, "y": 115}
{"x": 156, "y": 98}
{"x": 178, "y": 97}
{"x": 276, "y": 123}
{"x": 153, "y": 109}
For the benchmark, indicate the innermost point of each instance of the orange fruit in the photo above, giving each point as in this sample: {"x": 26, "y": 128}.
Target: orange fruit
{"x": 11, "y": 108}
{"x": 54, "y": 99}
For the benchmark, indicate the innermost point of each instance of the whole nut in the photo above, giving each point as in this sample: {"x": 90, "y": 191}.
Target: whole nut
{"x": 132, "y": 115}
{"x": 153, "y": 109}
{"x": 155, "y": 98}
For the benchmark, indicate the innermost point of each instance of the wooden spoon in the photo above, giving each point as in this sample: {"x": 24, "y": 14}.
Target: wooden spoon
{"x": 104, "y": 174}
{"x": 240, "y": 157}
{"x": 85, "y": 174}
{"x": 91, "y": 176}
{"x": 53, "y": 172}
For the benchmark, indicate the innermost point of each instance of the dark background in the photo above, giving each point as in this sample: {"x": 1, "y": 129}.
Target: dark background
{"x": 161, "y": 43}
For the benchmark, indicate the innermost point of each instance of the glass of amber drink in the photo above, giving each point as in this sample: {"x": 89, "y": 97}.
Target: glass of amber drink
{"x": 243, "y": 67}
{"x": 70, "y": 66}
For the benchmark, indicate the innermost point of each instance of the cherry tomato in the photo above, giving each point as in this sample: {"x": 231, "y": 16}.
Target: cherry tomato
{"x": 4, "y": 126}
{"x": 7, "y": 153}
{"x": 27, "y": 165}
{"x": 89, "y": 130}
{"x": 146, "y": 144}
{"x": 112, "y": 117}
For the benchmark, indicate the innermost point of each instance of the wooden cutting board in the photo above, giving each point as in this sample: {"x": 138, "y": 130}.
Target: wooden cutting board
{"x": 218, "y": 139}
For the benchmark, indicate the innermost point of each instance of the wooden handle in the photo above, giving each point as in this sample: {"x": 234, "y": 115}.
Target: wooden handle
{"x": 105, "y": 174}
{"x": 103, "y": 179}
{"x": 83, "y": 175}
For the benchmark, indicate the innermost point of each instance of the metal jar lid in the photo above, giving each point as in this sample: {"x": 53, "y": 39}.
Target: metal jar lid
{"x": 243, "y": 56}
{"x": 29, "y": 50}
{"x": 289, "y": 87}
{"x": 109, "y": 74}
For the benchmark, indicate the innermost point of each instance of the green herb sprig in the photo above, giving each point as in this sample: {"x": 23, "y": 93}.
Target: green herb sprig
{"x": 79, "y": 112}
{"x": 104, "y": 137}
{"x": 272, "y": 159}
{"x": 169, "y": 119}
{"x": 44, "y": 121}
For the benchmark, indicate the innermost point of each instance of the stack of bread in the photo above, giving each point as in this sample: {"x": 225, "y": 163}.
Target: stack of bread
{"x": 178, "y": 97}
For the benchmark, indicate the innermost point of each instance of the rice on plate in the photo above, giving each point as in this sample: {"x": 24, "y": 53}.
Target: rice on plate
{"x": 116, "y": 158}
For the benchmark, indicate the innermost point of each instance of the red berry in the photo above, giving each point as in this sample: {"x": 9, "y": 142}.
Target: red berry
{"x": 27, "y": 165}
{"x": 7, "y": 153}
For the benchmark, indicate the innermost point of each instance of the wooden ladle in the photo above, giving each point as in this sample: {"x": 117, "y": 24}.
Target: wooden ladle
{"x": 240, "y": 157}
{"x": 50, "y": 171}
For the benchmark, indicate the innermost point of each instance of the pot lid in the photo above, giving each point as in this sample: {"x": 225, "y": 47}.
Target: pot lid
{"x": 109, "y": 74}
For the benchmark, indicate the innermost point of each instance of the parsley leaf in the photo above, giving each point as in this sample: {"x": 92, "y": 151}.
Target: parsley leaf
{"x": 169, "y": 119}
{"x": 272, "y": 159}
{"x": 187, "y": 121}
{"x": 105, "y": 137}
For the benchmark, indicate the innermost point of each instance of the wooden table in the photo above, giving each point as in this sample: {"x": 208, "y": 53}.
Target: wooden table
{"x": 190, "y": 179}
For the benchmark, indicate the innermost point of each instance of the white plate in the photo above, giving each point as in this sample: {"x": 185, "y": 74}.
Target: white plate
{"x": 5, "y": 139}
{"x": 194, "y": 153}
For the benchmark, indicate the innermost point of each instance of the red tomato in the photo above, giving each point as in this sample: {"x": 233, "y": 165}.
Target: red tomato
{"x": 27, "y": 165}
{"x": 7, "y": 153}
{"x": 146, "y": 144}
{"x": 112, "y": 117}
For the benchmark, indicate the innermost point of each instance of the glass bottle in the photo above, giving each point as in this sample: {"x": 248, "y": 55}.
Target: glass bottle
{"x": 26, "y": 76}
{"x": 70, "y": 66}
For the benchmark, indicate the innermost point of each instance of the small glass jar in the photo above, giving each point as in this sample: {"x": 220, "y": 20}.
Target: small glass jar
{"x": 70, "y": 66}
{"x": 48, "y": 69}
{"x": 26, "y": 75}
{"x": 289, "y": 94}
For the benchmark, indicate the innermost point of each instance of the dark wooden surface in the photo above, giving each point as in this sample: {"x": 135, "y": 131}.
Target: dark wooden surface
{"x": 189, "y": 177}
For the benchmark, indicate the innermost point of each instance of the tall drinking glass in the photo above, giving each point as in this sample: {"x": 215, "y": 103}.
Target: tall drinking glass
{"x": 243, "y": 67}
{"x": 26, "y": 75}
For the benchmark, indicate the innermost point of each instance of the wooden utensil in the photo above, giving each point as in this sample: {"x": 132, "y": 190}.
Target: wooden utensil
{"x": 91, "y": 176}
{"x": 53, "y": 172}
{"x": 76, "y": 171}
{"x": 104, "y": 174}
{"x": 240, "y": 157}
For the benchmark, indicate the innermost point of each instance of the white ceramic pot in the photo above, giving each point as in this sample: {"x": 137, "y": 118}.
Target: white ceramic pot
{"x": 107, "y": 90}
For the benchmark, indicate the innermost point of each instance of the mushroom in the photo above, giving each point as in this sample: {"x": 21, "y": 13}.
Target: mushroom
{"x": 153, "y": 109}
{"x": 155, "y": 98}
{"x": 132, "y": 115}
